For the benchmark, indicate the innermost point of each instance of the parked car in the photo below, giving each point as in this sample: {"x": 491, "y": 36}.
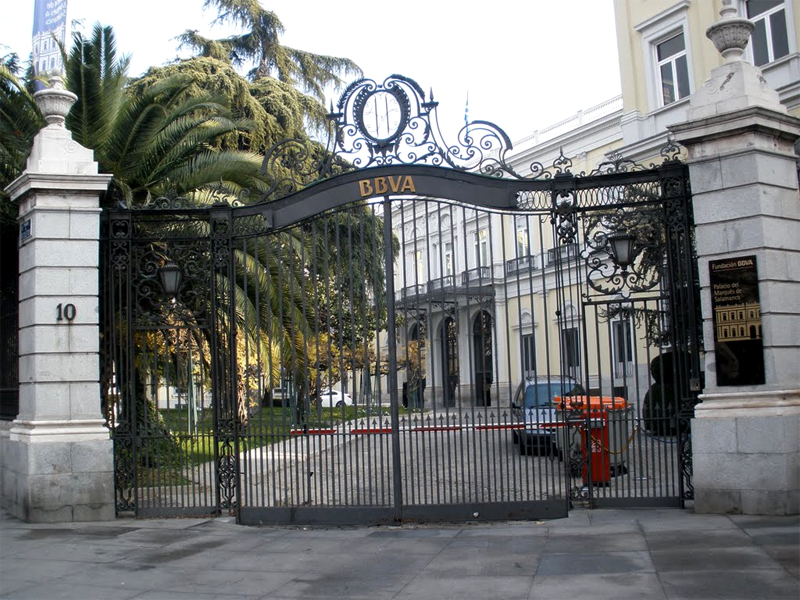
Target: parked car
{"x": 330, "y": 398}
{"x": 533, "y": 405}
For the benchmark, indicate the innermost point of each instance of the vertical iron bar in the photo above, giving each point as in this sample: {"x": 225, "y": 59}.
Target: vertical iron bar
{"x": 391, "y": 337}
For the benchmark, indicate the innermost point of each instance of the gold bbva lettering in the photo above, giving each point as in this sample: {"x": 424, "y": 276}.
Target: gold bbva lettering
{"x": 408, "y": 185}
{"x": 383, "y": 185}
{"x": 365, "y": 187}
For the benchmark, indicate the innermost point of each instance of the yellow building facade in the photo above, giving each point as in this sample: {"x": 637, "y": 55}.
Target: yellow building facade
{"x": 540, "y": 325}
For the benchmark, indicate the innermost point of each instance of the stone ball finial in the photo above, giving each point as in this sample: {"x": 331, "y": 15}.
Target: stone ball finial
{"x": 731, "y": 34}
{"x": 55, "y": 102}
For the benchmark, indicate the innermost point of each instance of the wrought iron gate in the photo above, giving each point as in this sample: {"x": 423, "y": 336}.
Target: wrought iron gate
{"x": 393, "y": 342}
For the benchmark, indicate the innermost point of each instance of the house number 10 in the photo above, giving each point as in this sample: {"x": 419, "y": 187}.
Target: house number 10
{"x": 66, "y": 311}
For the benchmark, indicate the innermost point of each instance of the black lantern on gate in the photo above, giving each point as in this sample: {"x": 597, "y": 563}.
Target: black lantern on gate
{"x": 170, "y": 275}
{"x": 621, "y": 247}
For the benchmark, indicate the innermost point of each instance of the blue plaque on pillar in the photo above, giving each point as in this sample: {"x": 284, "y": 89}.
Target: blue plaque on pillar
{"x": 736, "y": 309}
{"x": 25, "y": 230}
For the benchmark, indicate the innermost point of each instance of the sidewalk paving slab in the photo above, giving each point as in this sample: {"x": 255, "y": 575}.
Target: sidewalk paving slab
{"x": 667, "y": 554}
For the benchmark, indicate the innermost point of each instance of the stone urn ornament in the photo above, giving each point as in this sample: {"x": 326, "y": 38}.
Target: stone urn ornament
{"x": 731, "y": 34}
{"x": 55, "y": 102}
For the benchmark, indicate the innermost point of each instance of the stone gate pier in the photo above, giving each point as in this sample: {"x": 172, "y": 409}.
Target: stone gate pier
{"x": 744, "y": 174}
{"x": 56, "y": 458}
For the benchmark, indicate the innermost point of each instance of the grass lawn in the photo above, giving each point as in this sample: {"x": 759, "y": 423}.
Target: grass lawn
{"x": 269, "y": 425}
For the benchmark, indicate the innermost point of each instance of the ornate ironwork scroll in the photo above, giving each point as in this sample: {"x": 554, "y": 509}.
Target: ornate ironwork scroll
{"x": 388, "y": 123}
{"x": 393, "y": 123}
{"x": 199, "y": 335}
{"x": 604, "y": 275}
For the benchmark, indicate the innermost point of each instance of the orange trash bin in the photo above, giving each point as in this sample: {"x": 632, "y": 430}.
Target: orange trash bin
{"x": 592, "y": 420}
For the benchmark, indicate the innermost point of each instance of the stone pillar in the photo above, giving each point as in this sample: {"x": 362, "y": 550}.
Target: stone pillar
{"x": 58, "y": 459}
{"x": 746, "y": 436}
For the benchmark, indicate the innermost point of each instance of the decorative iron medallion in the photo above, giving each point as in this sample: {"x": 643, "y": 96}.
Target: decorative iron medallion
{"x": 382, "y": 114}
{"x": 391, "y": 123}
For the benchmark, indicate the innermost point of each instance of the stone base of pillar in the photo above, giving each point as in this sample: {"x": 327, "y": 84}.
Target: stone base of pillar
{"x": 746, "y": 453}
{"x": 47, "y": 480}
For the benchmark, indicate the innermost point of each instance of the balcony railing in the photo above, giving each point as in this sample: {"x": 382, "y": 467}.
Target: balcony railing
{"x": 562, "y": 254}
{"x": 478, "y": 274}
{"x": 448, "y": 281}
{"x": 412, "y": 290}
{"x": 523, "y": 264}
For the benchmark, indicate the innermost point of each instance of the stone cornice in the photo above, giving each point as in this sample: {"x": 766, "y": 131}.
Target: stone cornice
{"x": 754, "y": 119}
{"x": 610, "y": 122}
{"x": 30, "y": 182}
{"x": 71, "y": 430}
{"x": 745, "y": 404}
{"x": 664, "y": 14}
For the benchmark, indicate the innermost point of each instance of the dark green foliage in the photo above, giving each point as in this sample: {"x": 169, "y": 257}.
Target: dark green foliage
{"x": 20, "y": 119}
{"x": 259, "y": 45}
{"x": 166, "y": 137}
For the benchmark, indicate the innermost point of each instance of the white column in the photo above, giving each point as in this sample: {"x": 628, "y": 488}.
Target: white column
{"x": 58, "y": 464}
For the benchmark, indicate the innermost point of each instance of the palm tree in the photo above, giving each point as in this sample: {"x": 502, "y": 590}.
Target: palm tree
{"x": 185, "y": 130}
{"x": 20, "y": 119}
{"x": 156, "y": 139}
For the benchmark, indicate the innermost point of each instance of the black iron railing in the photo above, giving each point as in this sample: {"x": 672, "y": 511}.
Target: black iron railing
{"x": 523, "y": 264}
{"x": 478, "y": 274}
{"x": 442, "y": 283}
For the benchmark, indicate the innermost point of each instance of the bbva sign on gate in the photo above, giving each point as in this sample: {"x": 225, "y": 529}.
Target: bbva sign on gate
{"x": 401, "y": 180}
{"x": 378, "y": 186}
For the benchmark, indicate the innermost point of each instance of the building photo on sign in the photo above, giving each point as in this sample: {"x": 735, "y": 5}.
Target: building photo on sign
{"x": 737, "y": 321}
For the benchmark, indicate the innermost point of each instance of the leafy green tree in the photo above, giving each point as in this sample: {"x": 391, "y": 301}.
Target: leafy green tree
{"x": 196, "y": 129}
{"x": 157, "y": 139}
{"x": 259, "y": 45}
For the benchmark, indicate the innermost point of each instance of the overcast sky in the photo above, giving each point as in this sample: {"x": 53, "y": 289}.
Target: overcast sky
{"x": 525, "y": 64}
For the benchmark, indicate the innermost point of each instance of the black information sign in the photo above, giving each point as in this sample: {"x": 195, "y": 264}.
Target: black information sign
{"x": 737, "y": 321}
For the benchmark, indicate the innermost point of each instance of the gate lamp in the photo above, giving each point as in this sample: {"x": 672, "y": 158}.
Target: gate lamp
{"x": 170, "y": 275}
{"x": 621, "y": 249}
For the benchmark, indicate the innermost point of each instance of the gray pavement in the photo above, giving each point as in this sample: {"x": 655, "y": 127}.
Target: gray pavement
{"x": 595, "y": 554}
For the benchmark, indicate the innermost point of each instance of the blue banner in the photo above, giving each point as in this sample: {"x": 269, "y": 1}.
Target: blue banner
{"x": 49, "y": 29}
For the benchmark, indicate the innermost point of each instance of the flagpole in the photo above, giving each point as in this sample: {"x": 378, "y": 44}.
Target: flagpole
{"x": 466, "y": 114}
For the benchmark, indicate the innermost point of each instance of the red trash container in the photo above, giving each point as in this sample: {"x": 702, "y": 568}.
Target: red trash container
{"x": 591, "y": 417}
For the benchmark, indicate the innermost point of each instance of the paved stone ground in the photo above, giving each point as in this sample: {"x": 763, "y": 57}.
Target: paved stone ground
{"x": 593, "y": 554}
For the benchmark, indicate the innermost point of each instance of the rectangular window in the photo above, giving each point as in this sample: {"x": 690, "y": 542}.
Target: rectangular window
{"x": 523, "y": 240}
{"x": 570, "y": 351}
{"x": 622, "y": 347}
{"x": 448, "y": 259}
{"x": 528, "y": 356}
{"x": 673, "y": 69}
{"x": 419, "y": 266}
{"x": 770, "y": 39}
{"x": 481, "y": 248}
